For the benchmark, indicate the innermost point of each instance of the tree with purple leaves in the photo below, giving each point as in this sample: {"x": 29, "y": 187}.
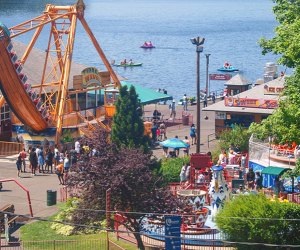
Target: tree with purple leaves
{"x": 127, "y": 173}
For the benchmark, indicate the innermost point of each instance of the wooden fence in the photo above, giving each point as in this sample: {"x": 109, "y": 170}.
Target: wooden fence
{"x": 10, "y": 148}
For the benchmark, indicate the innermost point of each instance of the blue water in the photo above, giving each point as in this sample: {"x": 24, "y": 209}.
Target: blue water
{"x": 232, "y": 29}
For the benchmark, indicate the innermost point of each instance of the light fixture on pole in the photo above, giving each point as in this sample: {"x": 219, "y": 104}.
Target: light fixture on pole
{"x": 198, "y": 41}
{"x": 207, "y": 64}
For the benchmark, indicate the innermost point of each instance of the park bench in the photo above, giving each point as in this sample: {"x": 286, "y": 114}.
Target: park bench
{"x": 10, "y": 208}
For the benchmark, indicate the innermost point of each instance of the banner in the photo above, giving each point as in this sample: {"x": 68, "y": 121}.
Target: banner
{"x": 250, "y": 103}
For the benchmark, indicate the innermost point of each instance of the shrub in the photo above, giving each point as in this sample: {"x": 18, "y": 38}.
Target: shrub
{"x": 65, "y": 215}
{"x": 237, "y": 221}
{"x": 170, "y": 168}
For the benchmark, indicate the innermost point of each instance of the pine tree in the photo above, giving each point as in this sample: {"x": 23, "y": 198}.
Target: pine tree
{"x": 128, "y": 126}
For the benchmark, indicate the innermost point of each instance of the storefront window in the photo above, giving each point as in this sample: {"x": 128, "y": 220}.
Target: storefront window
{"x": 91, "y": 99}
{"x": 82, "y": 101}
{"x": 243, "y": 120}
{"x": 100, "y": 98}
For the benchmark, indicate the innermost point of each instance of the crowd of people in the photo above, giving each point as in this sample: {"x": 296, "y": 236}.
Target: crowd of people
{"x": 50, "y": 160}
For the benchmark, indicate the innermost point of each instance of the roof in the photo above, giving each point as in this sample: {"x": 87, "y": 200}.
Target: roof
{"x": 256, "y": 92}
{"x": 147, "y": 95}
{"x": 237, "y": 80}
{"x": 274, "y": 170}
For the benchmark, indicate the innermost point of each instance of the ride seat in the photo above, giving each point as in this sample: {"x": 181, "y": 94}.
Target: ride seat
{"x": 9, "y": 47}
{"x": 18, "y": 66}
{"x": 13, "y": 56}
{"x": 27, "y": 87}
{"x": 23, "y": 77}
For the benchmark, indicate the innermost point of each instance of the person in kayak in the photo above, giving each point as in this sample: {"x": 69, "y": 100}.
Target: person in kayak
{"x": 130, "y": 62}
{"x": 123, "y": 62}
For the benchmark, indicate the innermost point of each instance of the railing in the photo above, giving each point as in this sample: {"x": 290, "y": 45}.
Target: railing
{"x": 10, "y": 148}
{"x": 210, "y": 140}
{"x": 64, "y": 244}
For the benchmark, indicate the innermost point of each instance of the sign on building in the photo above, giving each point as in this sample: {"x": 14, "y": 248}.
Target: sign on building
{"x": 220, "y": 115}
{"x": 220, "y": 77}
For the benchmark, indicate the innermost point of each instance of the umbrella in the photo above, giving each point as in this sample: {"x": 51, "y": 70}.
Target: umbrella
{"x": 174, "y": 143}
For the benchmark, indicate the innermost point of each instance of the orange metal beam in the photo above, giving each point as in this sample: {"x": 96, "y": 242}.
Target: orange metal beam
{"x": 65, "y": 77}
{"x": 101, "y": 53}
{"x": 32, "y": 42}
{"x": 14, "y": 34}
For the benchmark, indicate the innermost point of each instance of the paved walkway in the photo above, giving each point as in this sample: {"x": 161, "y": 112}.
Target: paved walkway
{"x": 207, "y": 127}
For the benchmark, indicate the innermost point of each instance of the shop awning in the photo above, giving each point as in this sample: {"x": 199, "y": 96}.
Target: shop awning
{"x": 146, "y": 95}
{"x": 274, "y": 170}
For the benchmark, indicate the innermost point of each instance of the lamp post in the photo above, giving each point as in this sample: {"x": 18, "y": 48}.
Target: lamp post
{"x": 270, "y": 138}
{"x": 198, "y": 41}
{"x": 207, "y": 64}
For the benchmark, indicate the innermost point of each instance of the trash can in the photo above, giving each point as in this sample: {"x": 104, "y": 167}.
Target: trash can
{"x": 185, "y": 120}
{"x": 51, "y": 197}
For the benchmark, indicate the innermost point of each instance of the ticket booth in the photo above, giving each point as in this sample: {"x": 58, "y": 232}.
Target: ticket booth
{"x": 110, "y": 98}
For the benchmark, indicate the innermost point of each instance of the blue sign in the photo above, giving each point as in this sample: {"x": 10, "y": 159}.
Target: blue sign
{"x": 172, "y": 232}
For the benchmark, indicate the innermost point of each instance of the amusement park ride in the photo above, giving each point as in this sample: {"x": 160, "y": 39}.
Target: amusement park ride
{"x": 45, "y": 105}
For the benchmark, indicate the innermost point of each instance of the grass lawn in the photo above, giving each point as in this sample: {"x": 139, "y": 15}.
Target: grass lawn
{"x": 48, "y": 239}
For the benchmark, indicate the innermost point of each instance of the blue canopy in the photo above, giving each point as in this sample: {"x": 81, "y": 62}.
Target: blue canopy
{"x": 174, "y": 143}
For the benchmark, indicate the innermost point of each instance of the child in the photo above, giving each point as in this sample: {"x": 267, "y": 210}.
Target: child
{"x": 19, "y": 164}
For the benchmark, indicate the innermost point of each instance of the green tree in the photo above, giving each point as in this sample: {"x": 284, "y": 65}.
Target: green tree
{"x": 284, "y": 124}
{"x": 286, "y": 41}
{"x": 128, "y": 126}
{"x": 256, "y": 219}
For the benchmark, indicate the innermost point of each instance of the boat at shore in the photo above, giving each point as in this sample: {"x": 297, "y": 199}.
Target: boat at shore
{"x": 228, "y": 69}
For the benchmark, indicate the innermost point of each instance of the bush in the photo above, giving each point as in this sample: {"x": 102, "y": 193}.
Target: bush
{"x": 170, "y": 168}
{"x": 237, "y": 221}
{"x": 235, "y": 136}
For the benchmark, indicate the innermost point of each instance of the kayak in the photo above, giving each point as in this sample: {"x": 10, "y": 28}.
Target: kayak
{"x": 129, "y": 65}
{"x": 228, "y": 69}
{"x": 147, "y": 46}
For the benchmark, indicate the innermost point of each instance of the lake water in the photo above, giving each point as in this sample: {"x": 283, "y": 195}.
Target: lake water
{"x": 232, "y": 29}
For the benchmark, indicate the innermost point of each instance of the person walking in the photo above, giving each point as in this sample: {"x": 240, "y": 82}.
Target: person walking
{"x": 66, "y": 166}
{"x": 205, "y": 101}
{"x": 49, "y": 161}
{"x": 19, "y": 164}
{"x": 213, "y": 98}
{"x": 23, "y": 158}
{"x": 59, "y": 170}
{"x": 185, "y": 102}
{"x": 193, "y": 134}
{"x": 250, "y": 178}
{"x": 33, "y": 161}
{"x": 183, "y": 174}
{"x": 172, "y": 108}
{"x": 186, "y": 150}
{"x": 41, "y": 160}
